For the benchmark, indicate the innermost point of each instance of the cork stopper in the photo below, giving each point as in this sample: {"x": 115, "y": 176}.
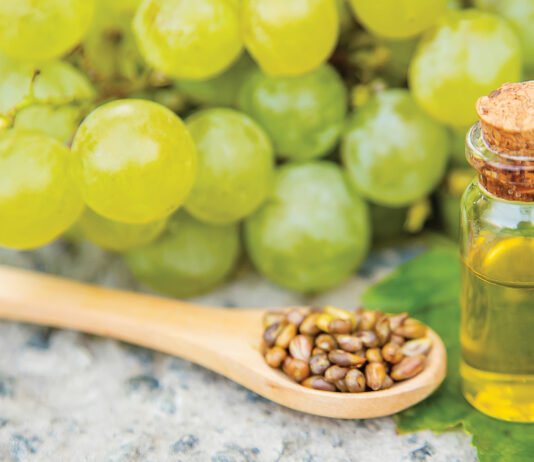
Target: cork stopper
{"x": 507, "y": 119}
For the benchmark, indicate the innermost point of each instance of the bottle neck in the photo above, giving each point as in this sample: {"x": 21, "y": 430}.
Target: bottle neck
{"x": 505, "y": 176}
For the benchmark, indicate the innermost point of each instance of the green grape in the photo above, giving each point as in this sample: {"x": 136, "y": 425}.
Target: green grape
{"x": 116, "y": 236}
{"x": 110, "y": 50}
{"x": 313, "y": 231}
{"x": 59, "y": 92}
{"x": 520, "y": 14}
{"x": 387, "y": 223}
{"x": 398, "y": 19}
{"x": 221, "y": 90}
{"x": 394, "y": 153}
{"x": 189, "y": 39}
{"x": 469, "y": 53}
{"x": 235, "y": 166}
{"x": 303, "y": 115}
{"x": 189, "y": 258}
{"x": 38, "y": 199}
{"x": 134, "y": 161}
{"x": 289, "y": 38}
{"x": 42, "y": 29}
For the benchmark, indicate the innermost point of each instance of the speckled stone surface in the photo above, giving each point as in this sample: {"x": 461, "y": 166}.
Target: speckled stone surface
{"x": 67, "y": 396}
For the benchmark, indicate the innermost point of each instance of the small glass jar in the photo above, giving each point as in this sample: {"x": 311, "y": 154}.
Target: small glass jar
{"x": 497, "y": 294}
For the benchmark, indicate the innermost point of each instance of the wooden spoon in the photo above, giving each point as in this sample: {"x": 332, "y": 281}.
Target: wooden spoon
{"x": 227, "y": 341}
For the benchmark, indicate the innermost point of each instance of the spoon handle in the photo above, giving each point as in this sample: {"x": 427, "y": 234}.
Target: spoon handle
{"x": 201, "y": 334}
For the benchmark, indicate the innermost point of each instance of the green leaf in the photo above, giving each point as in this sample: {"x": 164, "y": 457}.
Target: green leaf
{"x": 428, "y": 287}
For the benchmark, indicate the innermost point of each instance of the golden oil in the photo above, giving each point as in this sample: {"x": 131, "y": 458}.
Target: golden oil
{"x": 497, "y": 330}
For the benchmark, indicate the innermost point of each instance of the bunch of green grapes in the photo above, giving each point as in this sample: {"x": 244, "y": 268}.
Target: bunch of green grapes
{"x": 189, "y": 258}
{"x": 468, "y": 54}
{"x": 235, "y": 166}
{"x": 51, "y": 102}
{"x": 134, "y": 161}
{"x": 289, "y": 37}
{"x": 303, "y": 115}
{"x": 42, "y": 29}
{"x": 189, "y": 39}
{"x": 394, "y": 153}
{"x": 313, "y": 231}
{"x": 38, "y": 199}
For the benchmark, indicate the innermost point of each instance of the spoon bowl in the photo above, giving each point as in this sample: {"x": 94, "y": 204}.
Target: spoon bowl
{"x": 227, "y": 341}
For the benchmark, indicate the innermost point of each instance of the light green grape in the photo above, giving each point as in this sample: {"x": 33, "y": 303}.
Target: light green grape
{"x": 189, "y": 258}
{"x": 221, "y": 90}
{"x": 394, "y": 153}
{"x": 42, "y": 29}
{"x": 110, "y": 50}
{"x": 313, "y": 231}
{"x": 398, "y": 19}
{"x": 116, "y": 236}
{"x": 520, "y": 14}
{"x": 289, "y": 37}
{"x": 468, "y": 54}
{"x": 38, "y": 199}
{"x": 134, "y": 161}
{"x": 59, "y": 92}
{"x": 303, "y": 115}
{"x": 189, "y": 39}
{"x": 235, "y": 165}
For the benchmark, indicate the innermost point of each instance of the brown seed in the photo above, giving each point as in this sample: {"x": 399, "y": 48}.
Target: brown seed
{"x": 418, "y": 346}
{"x": 411, "y": 328}
{"x": 367, "y": 319}
{"x": 392, "y": 353}
{"x": 355, "y": 381}
{"x": 340, "y": 326}
{"x": 375, "y": 374}
{"x": 345, "y": 359}
{"x": 368, "y": 338}
{"x": 272, "y": 317}
{"x": 271, "y": 333}
{"x": 323, "y": 321}
{"x": 383, "y": 329}
{"x": 341, "y": 386}
{"x": 326, "y": 342}
{"x": 374, "y": 355}
{"x": 409, "y": 367}
{"x": 274, "y": 356}
{"x": 297, "y": 315}
{"x": 349, "y": 343}
{"x": 397, "y": 320}
{"x": 387, "y": 383}
{"x": 297, "y": 369}
{"x": 396, "y": 339}
{"x": 300, "y": 347}
{"x": 318, "y": 383}
{"x": 309, "y": 325}
{"x": 342, "y": 314}
{"x": 335, "y": 373}
{"x": 287, "y": 334}
{"x": 319, "y": 363}
{"x": 318, "y": 351}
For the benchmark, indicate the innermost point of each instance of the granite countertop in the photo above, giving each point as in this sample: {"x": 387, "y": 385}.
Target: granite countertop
{"x": 67, "y": 396}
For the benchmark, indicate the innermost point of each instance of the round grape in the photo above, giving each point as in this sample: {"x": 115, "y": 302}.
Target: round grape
{"x": 313, "y": 231}
{"x": 189, "y": 258}
{"x": 116, "y": 236}
{"x": 289, "y": 38}
{"x": 59, "y": 91}
{"x": 302, "y": 115}
{"x": 38, "y": 200}
{"x": 189, "y": 39}
{"x": 394, "y": 153}
{"x": 468, "y": 54}
{"x": 42, "y": 29}
{"x": 235, "y": 165}
{"x": 134, "y": 161}
{"x": 398, "y": 19}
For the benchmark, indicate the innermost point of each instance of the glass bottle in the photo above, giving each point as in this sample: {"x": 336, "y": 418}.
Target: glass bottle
{"x": 497, "y": 250}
